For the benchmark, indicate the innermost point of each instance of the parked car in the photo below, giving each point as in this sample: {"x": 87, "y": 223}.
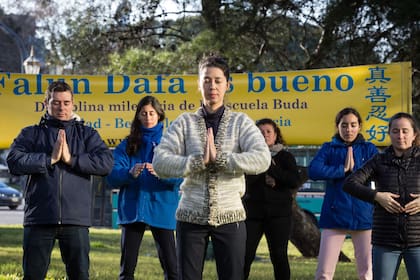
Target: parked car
{"x": 310, "y": 197}
{"x": 9, "y": 196}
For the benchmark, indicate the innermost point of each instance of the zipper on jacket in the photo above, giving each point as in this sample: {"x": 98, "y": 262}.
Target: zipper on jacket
{"x": 60, "y": 194}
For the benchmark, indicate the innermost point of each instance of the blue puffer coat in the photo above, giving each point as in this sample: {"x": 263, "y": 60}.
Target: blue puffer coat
{"x": 146, "y": 198}
{"x": 61, "y": 193}
{"x": 340, "y": 210}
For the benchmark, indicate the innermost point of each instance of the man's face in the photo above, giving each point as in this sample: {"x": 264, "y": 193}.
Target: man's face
{"x": 60, "y": 105}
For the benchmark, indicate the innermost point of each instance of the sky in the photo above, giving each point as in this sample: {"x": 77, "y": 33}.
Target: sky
{"x": 13, "y": 6}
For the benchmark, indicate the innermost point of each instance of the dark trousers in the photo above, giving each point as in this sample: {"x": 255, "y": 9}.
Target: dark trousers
{"x": 38, "y": 242}
{"x": 277, "y": 231}
{"x": 131, "y": 237}
{"x": 228, "y": 245}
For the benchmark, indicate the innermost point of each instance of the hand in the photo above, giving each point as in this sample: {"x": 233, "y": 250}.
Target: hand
{"x": 387, "y": 201}
{"x": 210, "y": 151}
{"x": 57, "y": 149}
{"x": 270, "y": 181}
{"x": 136, "y": 170}
{"x": 150, "y": 168}
{"x": 65, "y": 155}
{"x": 413, "y": 207}
{"x": 349, "y": 163}
{"x": 61, "y": 149}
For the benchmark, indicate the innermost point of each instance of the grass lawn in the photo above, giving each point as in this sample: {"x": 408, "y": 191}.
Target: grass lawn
{"x": 105, "y": 256}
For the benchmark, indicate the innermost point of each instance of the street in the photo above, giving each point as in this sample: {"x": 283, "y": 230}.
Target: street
{"x": 11, "y": 217}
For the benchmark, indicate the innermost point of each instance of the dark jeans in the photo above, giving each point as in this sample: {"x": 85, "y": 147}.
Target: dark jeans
{"x": 131, "y": 237}
{"x": 38, "y": 242}
{"x": 387, "y": 260}
{"x": 277, "y": 231}
{"x": 228, "y": 245}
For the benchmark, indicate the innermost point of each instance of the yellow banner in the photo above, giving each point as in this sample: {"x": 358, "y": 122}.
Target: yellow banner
{"x": 303, "y": 103}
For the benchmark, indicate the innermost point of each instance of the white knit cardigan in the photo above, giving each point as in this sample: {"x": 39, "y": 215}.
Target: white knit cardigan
{"x": 211, "y": 195}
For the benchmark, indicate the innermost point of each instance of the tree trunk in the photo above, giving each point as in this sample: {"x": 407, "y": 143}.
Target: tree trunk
{"x": 305, "y": 234}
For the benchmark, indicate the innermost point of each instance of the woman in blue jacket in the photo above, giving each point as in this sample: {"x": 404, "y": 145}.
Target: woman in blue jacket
{"x": 342, "y": 214}
{"x": 144, "y": 200}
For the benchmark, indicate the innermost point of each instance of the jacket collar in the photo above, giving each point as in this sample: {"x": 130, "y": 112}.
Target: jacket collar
{"x": 337, "y": 140}
{"x": 48, "y": 120}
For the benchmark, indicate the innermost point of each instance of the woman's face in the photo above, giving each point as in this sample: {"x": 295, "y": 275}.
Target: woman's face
{"x": 402, "y": 135}
{"x": 148, "y": 116}
{"x": 348, "y": 128}
{"x": 269, "y": 134}
{"x": 213, "y": 86}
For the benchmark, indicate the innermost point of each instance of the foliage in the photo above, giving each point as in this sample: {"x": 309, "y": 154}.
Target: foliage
{"x": 261, "y": 35}
{"x": 105, "y": 254}
{"x": 270, "y": 35}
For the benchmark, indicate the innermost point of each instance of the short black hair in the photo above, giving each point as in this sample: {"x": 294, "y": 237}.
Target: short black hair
{"x": 214, "y": 60}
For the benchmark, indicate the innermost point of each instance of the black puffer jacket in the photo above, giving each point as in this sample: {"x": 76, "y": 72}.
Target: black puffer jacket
{"x": 58, "y": 194}
{"x": 398, "y": 175}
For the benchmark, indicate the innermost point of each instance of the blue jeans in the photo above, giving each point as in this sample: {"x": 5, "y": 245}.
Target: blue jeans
{"x": 228, "y": 244}
{"x": 387, "y": 260}
{"x": 38, "y": 242}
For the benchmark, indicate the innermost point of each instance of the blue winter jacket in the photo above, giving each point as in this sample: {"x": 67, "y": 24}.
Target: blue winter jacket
{"x": 146, "y": 198}
{"x": 59, "y": 193}
{"x": 340, "y": 210}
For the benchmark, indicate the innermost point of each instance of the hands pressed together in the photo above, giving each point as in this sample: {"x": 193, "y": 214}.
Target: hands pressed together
{"x": 388, "y": 201}
{"x": 61, "y": 150}
{"x": 349, "y": 163}
{"x": 210, "y": 152}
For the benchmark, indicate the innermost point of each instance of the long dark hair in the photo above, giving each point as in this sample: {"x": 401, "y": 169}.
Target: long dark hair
{"x": 410, "y": 118}
{"x": 279, "y": 138}
{"x": 134, "y": 138}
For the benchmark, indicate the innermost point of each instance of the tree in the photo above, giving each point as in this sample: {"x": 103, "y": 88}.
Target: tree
{"x": 255, "y": 35}
{"x": 365, "y": 32}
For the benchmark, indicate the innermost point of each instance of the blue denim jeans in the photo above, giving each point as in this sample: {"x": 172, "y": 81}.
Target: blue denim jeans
{"x": 38, "y": 242}
{"x": 387, "y": 260}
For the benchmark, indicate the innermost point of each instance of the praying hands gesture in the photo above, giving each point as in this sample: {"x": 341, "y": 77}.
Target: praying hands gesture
{"x": 210, "y": 152}
{"x": 349, "y": 163}
{"x": 61, "y": 150}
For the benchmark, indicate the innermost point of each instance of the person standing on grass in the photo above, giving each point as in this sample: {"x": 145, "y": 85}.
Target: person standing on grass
{"x": 59, "y": 156}
{"x": 396, "y": 198}
{"x": 268, "y": 203}
{"x": 211, "y": 149}
{"x": 342, "y": 214}
{"x": 144, "y": 199}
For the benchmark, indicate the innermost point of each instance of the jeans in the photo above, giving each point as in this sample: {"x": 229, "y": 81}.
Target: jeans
{"x": 38, "y": 243}
{"x": 387, "y": 260}
{"x": 228, "y": 244}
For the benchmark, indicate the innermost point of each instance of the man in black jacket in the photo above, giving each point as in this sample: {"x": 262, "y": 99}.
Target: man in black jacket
{"x": 59, "y": 156}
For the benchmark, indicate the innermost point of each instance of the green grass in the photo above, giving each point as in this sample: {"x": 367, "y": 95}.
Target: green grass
{"x": 105, "y": 256}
